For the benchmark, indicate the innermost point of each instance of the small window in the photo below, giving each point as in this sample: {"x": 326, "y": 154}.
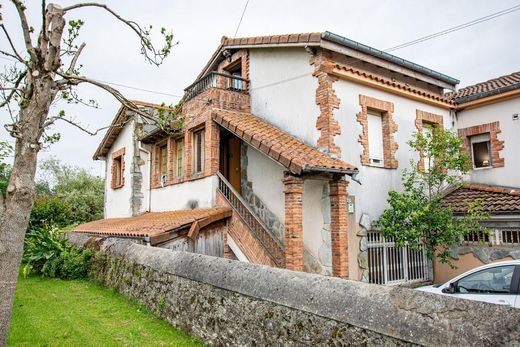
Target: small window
{"x": 481, "y": 150}
{"x": 375, "y": 138}
{"x": 495, "y": 280}
{"x": 118, "y": 169}
{"x": 198, "y": 151}
{"x": 235, "y": 70}
{"x": 163, "y": 162}
{"x": 179, "y": 145}
{"x": 510, "y": 236}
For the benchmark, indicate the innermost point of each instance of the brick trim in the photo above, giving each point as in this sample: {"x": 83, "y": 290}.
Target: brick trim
{"x": 120, "y": 153}
{"x": 390, "y": 146}
{"x": 339, "y": 227}
{"x": 421, "y": 118}
{"x": 293, "y": 237}
{"x": 327, "y": 101}
{"x": 496, "y": 145}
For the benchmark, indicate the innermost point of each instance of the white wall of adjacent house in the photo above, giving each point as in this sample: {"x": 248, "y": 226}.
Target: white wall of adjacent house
{"x": 503, "y": 112}
{"x": 117, "y": 201}
{"x": 198, "y": 193}
{"x": 376, "y": 181}
{"x": 283, "y": 90}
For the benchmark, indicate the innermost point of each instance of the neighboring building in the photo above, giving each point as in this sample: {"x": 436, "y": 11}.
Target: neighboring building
{"x": 488, "y": 118}
{"x": 300, "y": 136}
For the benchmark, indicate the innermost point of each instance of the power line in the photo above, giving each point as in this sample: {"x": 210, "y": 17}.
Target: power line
{"x": 456, "y": 28}
{"x": 121, "y": 85}
{"x": 241, "y": 17}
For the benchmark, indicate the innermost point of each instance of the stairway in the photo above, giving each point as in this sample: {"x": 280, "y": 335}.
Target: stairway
{"x": 249, "y": 231}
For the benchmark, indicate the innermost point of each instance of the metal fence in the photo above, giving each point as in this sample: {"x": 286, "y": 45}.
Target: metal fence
{"x": 504, "y": 237}
{"x": 389, "y": 264}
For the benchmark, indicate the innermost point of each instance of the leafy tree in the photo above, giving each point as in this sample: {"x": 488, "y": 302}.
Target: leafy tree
{"x": 417, "y": 216}
{"x": 46, "y": 72}
{"x": 81, "y": 191}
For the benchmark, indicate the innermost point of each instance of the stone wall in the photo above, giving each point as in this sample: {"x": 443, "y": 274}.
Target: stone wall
{"x": 225, "y": 302}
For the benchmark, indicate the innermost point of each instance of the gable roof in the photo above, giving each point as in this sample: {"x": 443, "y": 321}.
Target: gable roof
{"x": 321, "y": 39}
{"x": 285, "y": 149}
{"x": 116, "y": 126}
{"x": 495, "y": 200}
{"x": 491, "y": 87}
{"x": 154, "y": 225}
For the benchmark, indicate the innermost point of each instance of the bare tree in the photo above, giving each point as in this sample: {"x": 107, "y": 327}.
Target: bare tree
{"x": 46, "y": 71}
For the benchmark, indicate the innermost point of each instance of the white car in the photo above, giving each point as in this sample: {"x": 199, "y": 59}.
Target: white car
{"x": 497, "y": 283}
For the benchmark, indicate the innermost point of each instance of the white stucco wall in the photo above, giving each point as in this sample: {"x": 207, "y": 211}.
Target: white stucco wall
{"x": 283, "y": 91}
{"x": 145, "y": 154}
{"x": 376, "y": 182}
{"x": 266, "y": 177}
{"x": 509, "y": 175}
{"x": 117, "y": 201}
{"x": 178, "y": 196}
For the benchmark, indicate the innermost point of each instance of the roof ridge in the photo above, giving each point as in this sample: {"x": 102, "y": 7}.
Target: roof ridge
{"x": 492, "y": 188}
{"x": 489, "y": 80}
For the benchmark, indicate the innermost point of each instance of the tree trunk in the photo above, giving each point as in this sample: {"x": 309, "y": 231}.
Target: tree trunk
{"x": 20, "y": 196}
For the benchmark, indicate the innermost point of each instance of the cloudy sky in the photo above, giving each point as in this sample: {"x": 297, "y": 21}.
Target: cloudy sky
{"x": 111, "y": 54}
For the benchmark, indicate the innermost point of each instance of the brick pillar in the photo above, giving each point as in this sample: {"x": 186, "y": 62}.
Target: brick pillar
{"x": 293, "y": 222}
{"x": 339, "y": 227}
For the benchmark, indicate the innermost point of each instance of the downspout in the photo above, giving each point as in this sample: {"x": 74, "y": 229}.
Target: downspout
{"x": 149, "y": 163}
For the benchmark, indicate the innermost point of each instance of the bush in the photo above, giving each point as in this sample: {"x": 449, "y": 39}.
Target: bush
{"x": 46, "y": 252}
{"x": 49, "y": 211}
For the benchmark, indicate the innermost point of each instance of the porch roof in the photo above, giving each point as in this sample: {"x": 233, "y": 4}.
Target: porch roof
{"x": 155, "y": 225}
{"x": 287, "y": 150}
{"x": 495, "y": 200}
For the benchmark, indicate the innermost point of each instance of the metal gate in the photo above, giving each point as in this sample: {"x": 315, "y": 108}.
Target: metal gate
{"x": 388, "y": 264}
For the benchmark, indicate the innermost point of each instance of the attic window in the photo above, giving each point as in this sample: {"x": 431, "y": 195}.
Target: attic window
{"x": 118, "y": 169}
{"x": 481, "y": 150}
{"x": 235, "y": 70}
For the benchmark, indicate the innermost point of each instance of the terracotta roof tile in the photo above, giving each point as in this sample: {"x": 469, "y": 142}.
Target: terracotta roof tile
{"x": 495, "y": 199}
{"x": 482, "y": 89}
{"x": 150, "y": 224}
{"x": 292, "y": 153}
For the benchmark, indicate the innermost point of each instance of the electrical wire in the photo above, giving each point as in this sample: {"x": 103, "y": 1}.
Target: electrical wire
{"x": 241, "y": 17}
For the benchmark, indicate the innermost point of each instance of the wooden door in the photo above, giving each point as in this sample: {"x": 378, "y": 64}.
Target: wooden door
{"x": 234, "y": 171}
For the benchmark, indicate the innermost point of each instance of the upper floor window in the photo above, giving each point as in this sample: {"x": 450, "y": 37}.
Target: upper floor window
{"x": 481, "y": 150}
{"x": 375, "y": 138}
{"x": 179, "y": 146}
{"x": 235, "y": 70}
{"x": 163, "y": 162}
{"x": 118, "y": 169}
{"x": 198, "y": 150}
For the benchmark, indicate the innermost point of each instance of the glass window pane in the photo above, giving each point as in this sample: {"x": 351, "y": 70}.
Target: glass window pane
{"x": 481, "y": 154}
{"x": 164, "y": 160}
{"x": 496, "y": 280}
{"x": 375, "y": 138}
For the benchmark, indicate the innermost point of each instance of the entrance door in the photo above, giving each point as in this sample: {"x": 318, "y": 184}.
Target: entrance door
{"x": 233, "y": 168}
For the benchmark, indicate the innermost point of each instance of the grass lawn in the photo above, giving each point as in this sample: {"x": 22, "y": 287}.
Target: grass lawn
{"x": 51, "y": 312}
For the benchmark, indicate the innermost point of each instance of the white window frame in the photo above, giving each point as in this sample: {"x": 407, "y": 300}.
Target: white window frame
{"x": 196, "y": 154}
{"x": 375, "y": 138}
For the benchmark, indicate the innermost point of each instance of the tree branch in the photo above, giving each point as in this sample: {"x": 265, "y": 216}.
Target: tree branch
{"x": 146, "y": 45}
{"x": 18, "y": 56}
{"x": 72, "y": 65}
{"x": 11, "y": 56}
{"x": 13, "y": 92}
{"x": 20, "y": 7}
{"x": 85, "y": 130}
{"x": 70, "y": 80}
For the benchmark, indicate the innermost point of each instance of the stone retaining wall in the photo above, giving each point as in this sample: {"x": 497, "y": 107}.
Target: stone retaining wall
{"x": 225, "y": 302}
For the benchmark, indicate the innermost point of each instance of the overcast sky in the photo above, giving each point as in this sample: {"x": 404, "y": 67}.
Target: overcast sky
{"x": 480, "y": 52}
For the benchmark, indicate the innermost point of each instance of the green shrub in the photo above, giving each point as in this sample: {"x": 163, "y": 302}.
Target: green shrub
{"x": 49, "y": 211}
{"x": 46, "y": 252}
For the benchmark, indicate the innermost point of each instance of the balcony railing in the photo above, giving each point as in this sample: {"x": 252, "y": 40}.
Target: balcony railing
{"x": 271, "y": 244}
{"x": 216, "y": 80}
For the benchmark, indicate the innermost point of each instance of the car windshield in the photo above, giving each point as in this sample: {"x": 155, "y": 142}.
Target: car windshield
{"x": 496, "y": 280}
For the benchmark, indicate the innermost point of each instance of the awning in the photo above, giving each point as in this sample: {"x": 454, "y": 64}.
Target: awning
{"x": 287, "y": 150}
{"x": 157, "y": 227}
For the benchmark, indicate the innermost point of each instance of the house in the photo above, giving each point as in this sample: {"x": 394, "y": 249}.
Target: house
{"x": 488, "y": 120}
{"x": 288, "y": 148}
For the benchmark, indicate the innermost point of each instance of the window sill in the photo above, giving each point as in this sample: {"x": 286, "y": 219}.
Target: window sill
{"x": 179, "y": 180}
{"x": 118, "y": 187}
{"x": 483, "y": 168}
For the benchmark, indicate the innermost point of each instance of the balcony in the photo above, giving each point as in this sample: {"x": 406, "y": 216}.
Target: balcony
{"x": 217, "y": 80}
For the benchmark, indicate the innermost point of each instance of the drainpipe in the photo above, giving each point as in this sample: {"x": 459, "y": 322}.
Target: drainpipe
{"x": 149, "y": 162}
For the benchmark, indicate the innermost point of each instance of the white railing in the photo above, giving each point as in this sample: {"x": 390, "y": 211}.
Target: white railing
{"x": 504, "y": 237}
{"x": 389, "y": 264}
